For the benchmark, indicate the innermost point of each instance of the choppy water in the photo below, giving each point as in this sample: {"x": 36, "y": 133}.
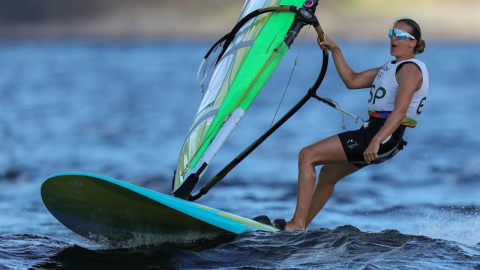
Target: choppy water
{"x": 123, "y": 109}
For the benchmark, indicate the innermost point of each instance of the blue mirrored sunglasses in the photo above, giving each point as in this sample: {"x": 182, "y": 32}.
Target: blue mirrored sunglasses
{"x": 400, "y": 34}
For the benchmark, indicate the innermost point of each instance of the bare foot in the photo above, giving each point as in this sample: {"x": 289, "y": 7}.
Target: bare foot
{"x": 293, "y": 226}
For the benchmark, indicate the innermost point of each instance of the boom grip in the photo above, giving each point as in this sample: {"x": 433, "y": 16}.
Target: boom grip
{"x": 321, "y": 36}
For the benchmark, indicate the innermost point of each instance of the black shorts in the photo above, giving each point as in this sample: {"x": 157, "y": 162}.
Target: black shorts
{"x": 355, "y": 142}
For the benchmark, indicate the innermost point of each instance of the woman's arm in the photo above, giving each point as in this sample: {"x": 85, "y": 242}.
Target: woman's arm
{"x": 350, "y": 78}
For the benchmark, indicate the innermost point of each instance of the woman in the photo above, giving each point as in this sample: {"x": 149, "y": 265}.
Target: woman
{"x": 398, "y": 91}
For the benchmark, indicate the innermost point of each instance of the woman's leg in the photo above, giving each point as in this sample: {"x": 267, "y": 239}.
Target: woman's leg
{"x": 327, "y": 151}
{"x": 330, "y": 174}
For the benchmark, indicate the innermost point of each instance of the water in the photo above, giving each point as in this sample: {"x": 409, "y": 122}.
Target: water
{"x": 123, "y": 109}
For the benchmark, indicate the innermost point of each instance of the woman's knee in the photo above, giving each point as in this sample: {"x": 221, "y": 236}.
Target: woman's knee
{"x": 306, "y": 155}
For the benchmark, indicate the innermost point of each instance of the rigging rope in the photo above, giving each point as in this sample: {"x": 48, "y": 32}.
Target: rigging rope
{"x": 290, "y": 78}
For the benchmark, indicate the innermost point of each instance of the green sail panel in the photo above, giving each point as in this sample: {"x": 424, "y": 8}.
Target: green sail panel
{"x": 237, "y": 79}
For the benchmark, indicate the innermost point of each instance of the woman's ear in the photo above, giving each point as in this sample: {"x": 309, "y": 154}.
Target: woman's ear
{"x": 413, "y": 43}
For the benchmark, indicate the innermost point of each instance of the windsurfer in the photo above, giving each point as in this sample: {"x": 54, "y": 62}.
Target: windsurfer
{"x": 398, "y": 92}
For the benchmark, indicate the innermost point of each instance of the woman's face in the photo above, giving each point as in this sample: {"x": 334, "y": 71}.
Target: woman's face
{"x": 402, "y": 48}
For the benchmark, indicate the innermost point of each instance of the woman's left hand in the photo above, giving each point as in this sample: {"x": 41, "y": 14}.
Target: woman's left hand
{"x": 371, "y": 153}
{"x": 327, "y": 44}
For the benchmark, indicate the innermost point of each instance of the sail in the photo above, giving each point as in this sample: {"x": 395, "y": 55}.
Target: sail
{"x": 238, "y": 77}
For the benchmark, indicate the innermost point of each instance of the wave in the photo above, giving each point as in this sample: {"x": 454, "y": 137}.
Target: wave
{"x": 344, "y": 247}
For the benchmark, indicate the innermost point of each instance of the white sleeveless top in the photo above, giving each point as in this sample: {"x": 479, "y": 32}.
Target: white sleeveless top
{"x": 384, "y": 90}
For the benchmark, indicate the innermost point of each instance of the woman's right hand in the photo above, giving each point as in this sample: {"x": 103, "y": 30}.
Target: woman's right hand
{"x": 328, "y": 43}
